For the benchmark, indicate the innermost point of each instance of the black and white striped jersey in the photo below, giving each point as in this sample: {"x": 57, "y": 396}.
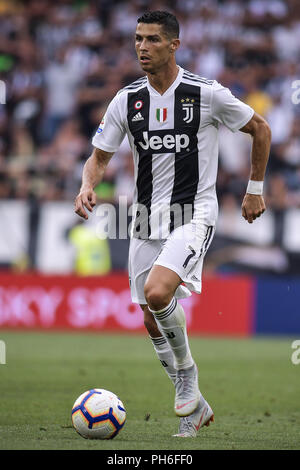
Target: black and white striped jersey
{"x": 174, "y": 141}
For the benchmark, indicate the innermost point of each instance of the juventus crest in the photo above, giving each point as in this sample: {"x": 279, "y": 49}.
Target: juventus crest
{"x": 188, "y": 107}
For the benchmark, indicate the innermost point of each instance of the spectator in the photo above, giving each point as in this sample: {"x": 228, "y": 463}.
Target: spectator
{"x": 62, "y": 62}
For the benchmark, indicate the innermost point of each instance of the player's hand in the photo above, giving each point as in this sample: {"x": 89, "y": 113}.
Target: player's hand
{"x": 252, "y": 207}
{"x": 86, "y": 199}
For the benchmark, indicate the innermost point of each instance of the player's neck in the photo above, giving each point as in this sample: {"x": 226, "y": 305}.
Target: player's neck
{"x": 163, "y": 79}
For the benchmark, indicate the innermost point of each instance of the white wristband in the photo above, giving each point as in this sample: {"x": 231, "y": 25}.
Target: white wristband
{"x": 255, "y": 187}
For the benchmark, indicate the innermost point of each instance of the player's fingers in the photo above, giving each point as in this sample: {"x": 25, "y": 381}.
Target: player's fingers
{"x": 93, "y": 199}
{"x": 89, "y": 200}
{"x": 244, "y": 212}
{"x": 247, "y": 216}
{"x": 250, "y": 216}
{"x": 260, "y": 211}
{"x": 81, "y": 212}
{"x": 262, "y": 206}
{"x": 87, "y": 204}
{"x": 79, "y": 209}
{"x": 252, "y": 210}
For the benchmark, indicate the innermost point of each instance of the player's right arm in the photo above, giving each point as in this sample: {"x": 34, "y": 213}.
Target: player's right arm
{"x": 106, "y": 142}
{"x": 93, "y": 172}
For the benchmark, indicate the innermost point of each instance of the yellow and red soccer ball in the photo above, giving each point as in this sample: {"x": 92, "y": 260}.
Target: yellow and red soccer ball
{"x": 98, "y": 414}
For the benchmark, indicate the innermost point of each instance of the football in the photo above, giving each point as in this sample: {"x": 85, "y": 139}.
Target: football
{"x": 98, "y": 414}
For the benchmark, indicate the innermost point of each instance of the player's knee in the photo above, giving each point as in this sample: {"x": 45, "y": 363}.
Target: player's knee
{"x": 156, "y": 296}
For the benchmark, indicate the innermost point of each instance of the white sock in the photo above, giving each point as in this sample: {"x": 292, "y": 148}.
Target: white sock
{"x": 165, "y": 355}
{"x": 171, "y": 322}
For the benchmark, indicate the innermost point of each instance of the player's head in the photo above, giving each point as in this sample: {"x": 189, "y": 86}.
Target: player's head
{"x": 167, "y": 21}
{"x": 157, "y": 39}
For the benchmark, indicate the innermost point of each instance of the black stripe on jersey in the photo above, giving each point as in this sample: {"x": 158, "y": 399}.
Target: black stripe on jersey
{"x": 134, "y": 87}
{"x": 138, "y": 80}
{"x": 196, "y": 80}
{"x": 186, "y": 121}
{"x": 136, "y": 83}
{"x": 206, "y": 243}
{"x": 144, "y": 182}
{"x": 187, "y": 74}
{"x": 207, "y": 239}
{"x": 194, "y": 75}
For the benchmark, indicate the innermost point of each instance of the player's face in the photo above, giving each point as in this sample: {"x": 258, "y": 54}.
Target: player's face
{"x": 154, "y": 49}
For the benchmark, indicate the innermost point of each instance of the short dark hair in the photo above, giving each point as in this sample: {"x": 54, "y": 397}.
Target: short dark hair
{"x": 164, "y": 18}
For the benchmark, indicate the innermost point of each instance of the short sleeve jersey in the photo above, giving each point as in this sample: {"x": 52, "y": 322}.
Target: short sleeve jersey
{"x": 174, "y": 142}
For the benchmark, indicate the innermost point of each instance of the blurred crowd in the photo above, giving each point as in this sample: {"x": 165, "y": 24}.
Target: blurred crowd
{"x": 62, "y": 61}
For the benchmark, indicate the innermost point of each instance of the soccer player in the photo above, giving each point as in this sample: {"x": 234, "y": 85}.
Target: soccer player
{"x": 171, "y": 117}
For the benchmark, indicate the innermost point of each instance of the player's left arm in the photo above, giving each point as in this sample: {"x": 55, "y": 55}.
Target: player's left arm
{"x": 253, "y": 204}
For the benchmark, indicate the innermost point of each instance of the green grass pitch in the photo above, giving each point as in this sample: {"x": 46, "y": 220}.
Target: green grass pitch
{"x": 251, "y": 384}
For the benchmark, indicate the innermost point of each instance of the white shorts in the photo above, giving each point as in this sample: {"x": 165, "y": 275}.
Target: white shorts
{"x": 182, "y": 252}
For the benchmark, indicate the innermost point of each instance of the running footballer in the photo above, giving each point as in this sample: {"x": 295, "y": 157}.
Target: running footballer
{"x": 171, "y": 117}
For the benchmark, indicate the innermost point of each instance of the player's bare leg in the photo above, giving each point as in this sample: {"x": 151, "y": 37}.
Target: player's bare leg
{"x": 159, "y": 290}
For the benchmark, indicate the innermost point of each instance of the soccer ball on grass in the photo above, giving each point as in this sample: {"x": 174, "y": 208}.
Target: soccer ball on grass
{"x": 98, "y": 414}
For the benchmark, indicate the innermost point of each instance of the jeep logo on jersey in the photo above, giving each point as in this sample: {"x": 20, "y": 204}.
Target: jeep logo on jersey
{"x": 166, "y": 143}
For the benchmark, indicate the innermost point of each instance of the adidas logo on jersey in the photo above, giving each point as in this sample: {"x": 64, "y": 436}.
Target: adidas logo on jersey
{"x": 137, "y": 117}
{"x": 166, "y": 143}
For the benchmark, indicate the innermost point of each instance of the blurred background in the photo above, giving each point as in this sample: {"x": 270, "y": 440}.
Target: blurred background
{"x": 61, "y": 63}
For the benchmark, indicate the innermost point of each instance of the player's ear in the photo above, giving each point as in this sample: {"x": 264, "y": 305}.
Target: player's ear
{"x": 174, "y": 45}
